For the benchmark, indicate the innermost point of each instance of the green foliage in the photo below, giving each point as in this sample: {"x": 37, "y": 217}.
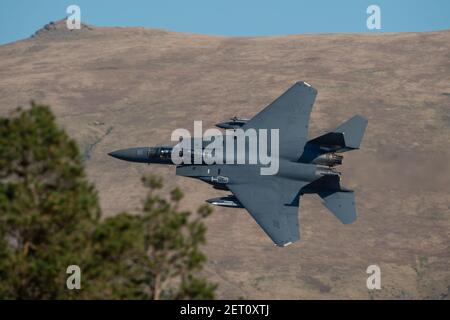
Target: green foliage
{"x": 172, "y": 239}
{"x": 50, "y": 219}
{"x": 47, "y": 206}
{"x": 195, "y": 288}
{"x": 118, "y": 262}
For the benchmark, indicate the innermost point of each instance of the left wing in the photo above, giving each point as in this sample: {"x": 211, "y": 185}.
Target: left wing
{"x": 290, "y": 114}
{"x": 274, "y": 205}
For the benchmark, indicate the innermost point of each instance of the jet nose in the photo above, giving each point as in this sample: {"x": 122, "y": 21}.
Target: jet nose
{"x": 120, "y": 154}
{"x": 131, "y": 154}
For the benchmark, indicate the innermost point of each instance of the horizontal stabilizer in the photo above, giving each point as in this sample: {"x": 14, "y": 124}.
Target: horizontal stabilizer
{"x": 346, "y": 137}
{"x": 353, "y": 131}
{"x": 341, "y": 204}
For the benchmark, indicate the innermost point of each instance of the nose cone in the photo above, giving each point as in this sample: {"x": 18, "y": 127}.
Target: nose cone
{"x": 131, "y": 154}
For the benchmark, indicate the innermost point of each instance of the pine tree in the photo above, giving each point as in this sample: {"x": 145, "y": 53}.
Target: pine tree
{"x": 50, "y": 219}
{"x": 47, "y": 207}
{"x": 173, "y": 239}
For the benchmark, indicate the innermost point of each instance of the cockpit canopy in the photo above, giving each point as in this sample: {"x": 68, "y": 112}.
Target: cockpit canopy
{"x": 160, "y": 152}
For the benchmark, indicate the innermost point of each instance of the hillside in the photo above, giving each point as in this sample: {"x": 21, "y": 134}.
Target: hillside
{"x": 113, "y": 88}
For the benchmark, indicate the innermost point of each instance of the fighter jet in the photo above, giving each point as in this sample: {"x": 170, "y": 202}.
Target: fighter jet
{"x": 306, "y": 166}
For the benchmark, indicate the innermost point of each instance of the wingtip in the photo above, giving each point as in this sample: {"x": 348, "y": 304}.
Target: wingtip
{"x": 282, "y": 245}
{"x": 305, "y": 84}
{"x": 360, "y": 117}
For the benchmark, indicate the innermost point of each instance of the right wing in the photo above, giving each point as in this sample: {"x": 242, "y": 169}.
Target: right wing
{"x": 274, "y": 205}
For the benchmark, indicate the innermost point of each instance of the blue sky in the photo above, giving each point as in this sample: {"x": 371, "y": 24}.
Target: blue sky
{"x": 21, "y": 18}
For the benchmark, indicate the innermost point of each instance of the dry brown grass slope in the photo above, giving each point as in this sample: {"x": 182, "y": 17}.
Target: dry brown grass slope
{"x": 120, "y": 87}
